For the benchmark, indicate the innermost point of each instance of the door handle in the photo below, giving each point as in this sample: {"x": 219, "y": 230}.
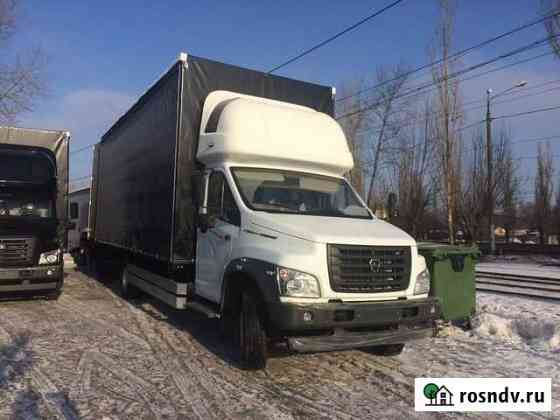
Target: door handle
{"x": 227, "y": 237}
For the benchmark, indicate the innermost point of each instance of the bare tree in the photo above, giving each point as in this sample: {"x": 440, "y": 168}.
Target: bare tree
{"x": 385, "y": 115}
{"x": 21, "y": 78}
{"x": 552, "y": 25}
{"x": 471, "y": 207}
{"x": 508, "y": 190}
{"x": 414, "y": 172}
{"x": 544, "y": 190}
{"x": 353, "y": 125}
{"x": 449, "y": 107}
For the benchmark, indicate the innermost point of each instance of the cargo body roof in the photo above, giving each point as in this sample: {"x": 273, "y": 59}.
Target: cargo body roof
{"x": 142, "y": 174}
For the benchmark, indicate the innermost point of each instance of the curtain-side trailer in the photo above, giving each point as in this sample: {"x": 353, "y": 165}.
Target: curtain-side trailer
{"x": 222, "y": 190}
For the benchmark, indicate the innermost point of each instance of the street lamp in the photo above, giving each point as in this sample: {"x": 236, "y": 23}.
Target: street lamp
{"x": 489, "y": 151}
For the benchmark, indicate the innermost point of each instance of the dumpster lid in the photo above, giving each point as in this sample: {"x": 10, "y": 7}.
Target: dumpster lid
{"x": 436, "y": 250}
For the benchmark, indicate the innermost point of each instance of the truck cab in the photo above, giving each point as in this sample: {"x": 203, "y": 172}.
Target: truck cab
{"x": 287, "y": 248}
{"x": 32, "y": 210}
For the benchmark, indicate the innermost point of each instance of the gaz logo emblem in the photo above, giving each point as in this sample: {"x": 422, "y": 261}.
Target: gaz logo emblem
{"x": 374, "y": 265}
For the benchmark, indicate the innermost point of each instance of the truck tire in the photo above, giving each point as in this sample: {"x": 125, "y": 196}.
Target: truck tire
{"x": 128, "y": 291}
{"x": 54, "y": 295}
{"x": 252, "y": 335}
{"x": 80, "y": 258}
{"x": 387, "y": 349}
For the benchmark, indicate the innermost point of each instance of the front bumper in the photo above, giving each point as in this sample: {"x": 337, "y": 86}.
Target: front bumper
{"x": 336, "y": 326}
{"x": 31, "y": 278}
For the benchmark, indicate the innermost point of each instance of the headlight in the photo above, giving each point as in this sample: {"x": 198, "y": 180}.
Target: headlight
{"x": 297, "y": 284}
{"x": 50, "y": 257}
{"x": 422, "y": 285}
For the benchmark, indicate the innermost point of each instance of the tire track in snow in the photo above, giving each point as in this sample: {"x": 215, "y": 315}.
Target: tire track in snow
{"x": 225, "y": 376}
{"x": 235, "y": 399}
{"x": 193, "y": 393}
{"x": 145, "y": 391}
{"x": 55, "y": 401}
{"x": 85, "y": 313}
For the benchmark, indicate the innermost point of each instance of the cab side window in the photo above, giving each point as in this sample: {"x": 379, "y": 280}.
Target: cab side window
{"x": 221, "y": 204}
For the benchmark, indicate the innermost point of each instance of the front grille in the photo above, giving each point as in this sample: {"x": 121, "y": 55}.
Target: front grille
{"x": 16, "y": 252}
{"x": 368, "y": 269}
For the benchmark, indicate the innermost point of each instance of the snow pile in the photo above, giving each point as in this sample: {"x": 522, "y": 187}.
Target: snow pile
{"x": 528, "y": 324}
{"x": 554, "y": 343}
{"x": 489, "y": 324}
{"x": 450, "y": 330}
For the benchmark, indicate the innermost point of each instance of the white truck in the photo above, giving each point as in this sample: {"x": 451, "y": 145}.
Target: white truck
{"x": 78, "y": 212}
{"x": 222, "y": 190}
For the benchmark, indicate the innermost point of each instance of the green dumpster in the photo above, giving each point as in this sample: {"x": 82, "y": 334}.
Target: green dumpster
{"x": 452, "y": 269}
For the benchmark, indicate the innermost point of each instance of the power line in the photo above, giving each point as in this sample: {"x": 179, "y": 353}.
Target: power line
{"x": 417, "y": 89}
{"x": 533, "y": 111}
{"x": 452, "y": 56}
{"x": 79, "y": 179}
{"x": 513, "y": 92}
{"x": 536, "y": 139}
{"x": 89, "y": 146}
{"x": 414, "y": 120}
{"x": 535, "y": 157}
{"x": 477, "y": 76}
{"x": 332, "y": 38}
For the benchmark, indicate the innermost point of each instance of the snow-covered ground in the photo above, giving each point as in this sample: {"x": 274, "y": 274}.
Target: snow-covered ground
{"x": 92, "y": 355}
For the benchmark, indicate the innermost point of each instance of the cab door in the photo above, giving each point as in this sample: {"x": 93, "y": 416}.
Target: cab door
{"x": 214, "y": 245}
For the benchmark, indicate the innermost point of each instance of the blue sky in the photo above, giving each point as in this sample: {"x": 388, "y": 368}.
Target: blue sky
{"x": 104, "y": 54}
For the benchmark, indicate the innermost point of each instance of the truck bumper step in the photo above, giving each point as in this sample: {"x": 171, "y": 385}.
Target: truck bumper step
{"x": 345, "y": 341}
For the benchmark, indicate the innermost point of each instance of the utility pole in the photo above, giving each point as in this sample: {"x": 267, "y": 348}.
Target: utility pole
{"x": 489, "y": 156}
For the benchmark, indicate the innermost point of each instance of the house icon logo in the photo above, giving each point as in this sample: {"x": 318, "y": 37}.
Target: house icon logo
{"x": 438, "y": 396}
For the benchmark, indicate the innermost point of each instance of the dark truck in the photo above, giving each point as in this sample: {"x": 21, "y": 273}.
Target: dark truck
{"x": 33, "y": 209}
{"x": 222, "y": 190}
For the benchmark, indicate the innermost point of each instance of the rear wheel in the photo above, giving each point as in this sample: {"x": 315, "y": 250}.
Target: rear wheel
{"x": 387, "y": 350}
{"x": 252, "y": 334}
{"x": 80, "y": 258}
{"x": 128, "y": 291}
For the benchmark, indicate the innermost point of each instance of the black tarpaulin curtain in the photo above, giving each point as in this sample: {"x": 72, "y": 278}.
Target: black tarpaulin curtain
{"x": 142, "y": 189}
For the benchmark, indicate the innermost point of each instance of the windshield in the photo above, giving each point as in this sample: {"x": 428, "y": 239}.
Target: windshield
{"x": 279, "y": 191}
{"x": 25, "y": 206}
{"x": 26, "y": 168}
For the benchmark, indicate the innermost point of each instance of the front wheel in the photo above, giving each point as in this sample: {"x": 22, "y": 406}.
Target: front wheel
{"x": 252, "y": 335}
{"x": 128, "y": 291}
{"x": 54, "y": 295}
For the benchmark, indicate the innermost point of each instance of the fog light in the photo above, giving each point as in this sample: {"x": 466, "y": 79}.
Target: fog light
{"x": 307, "y": 316}
{"x": 49, "y": 272}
